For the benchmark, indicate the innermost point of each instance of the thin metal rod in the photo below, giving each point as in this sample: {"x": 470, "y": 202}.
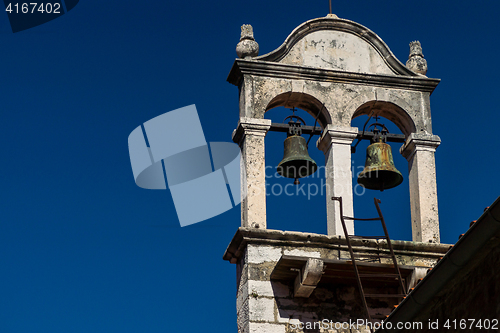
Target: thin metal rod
{"x": 330, "y": 6}
{"x": 358, "y": 278}
{"x": 353, "y": 148}
{"x": 389, "y": 244}
{"x": 315, "y": 122}
{"x": 359, "y": 219}
{"x": 314, "y": 130}
{"x": 280, "y": 127}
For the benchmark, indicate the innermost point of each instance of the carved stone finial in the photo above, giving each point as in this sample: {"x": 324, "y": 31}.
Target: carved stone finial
{"x": 416, "y": 61}
{"x": 246, "y": 32}
{"x": 247, "y": 47}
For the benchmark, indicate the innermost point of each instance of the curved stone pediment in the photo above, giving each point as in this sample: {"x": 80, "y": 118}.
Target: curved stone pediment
{"x": 337, "y": 44}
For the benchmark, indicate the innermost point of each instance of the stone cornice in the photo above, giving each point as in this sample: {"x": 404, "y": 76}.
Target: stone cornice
{"x": 252, "y": 126}
{"x": 242, "y": 67}
{"x": 246, "y": 236}
{"x": 338, "y": 135}
{"x": 415, "y": 142}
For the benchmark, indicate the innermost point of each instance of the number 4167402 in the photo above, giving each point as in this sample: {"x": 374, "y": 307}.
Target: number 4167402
{"x": 34, "y": 8}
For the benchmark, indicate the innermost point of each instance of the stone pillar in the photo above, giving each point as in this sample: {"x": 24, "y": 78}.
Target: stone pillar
{"x": 419, "y": 151}
{"x": 250, "y": 136}
{"x": 336, "y": 145}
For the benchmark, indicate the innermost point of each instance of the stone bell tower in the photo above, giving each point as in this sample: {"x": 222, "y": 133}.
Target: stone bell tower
{"x": 336, "y": 70}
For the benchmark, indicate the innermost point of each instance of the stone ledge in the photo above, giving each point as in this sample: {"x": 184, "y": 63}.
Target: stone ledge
{"x": 243, "y": 67}
{"x": 246, "y": 236}
{"x": 252, "y": 125}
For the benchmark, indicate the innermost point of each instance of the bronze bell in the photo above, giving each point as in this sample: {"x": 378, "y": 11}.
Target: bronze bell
{"x": 296, "y": 162}
{"x": 379, "y": 172}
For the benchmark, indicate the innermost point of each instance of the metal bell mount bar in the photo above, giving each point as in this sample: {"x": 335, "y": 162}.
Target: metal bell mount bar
{"x": 379, "y": 173}
{"x": 307, "y": 130}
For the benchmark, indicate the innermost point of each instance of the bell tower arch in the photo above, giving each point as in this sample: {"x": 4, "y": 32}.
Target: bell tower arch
{"x": 304, "y": 101}
{"x": 338, "y": 69}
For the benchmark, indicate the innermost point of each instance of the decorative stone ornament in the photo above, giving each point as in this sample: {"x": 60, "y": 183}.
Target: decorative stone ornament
{"x": 247, "y": 47}
{"x": 416, "y": 61}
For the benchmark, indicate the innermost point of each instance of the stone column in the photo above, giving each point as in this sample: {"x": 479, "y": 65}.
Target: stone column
{"x": 336, "y": 145}
{"x": 250, "y": 136}
{"x": 419, "y": 151}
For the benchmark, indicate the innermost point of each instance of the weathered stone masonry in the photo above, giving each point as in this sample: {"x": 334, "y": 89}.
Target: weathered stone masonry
{"x": 337, "y": 70}
{"x": 266, "y": 305}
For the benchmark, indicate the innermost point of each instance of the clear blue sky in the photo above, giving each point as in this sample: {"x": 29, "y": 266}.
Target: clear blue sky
{"x": 83, "y": 249}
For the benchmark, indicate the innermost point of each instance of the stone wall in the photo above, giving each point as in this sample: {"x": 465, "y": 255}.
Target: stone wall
{"x": 266, "y": 306}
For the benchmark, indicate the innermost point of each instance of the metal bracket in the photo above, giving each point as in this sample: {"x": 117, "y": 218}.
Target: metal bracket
{"x": 308, "y": 277}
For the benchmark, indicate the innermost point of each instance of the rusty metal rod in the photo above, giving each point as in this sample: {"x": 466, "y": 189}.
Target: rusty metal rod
{"x": 389, "y": 244}
{"x": 315, "y": 130}
{"x": 356, "y": 272}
